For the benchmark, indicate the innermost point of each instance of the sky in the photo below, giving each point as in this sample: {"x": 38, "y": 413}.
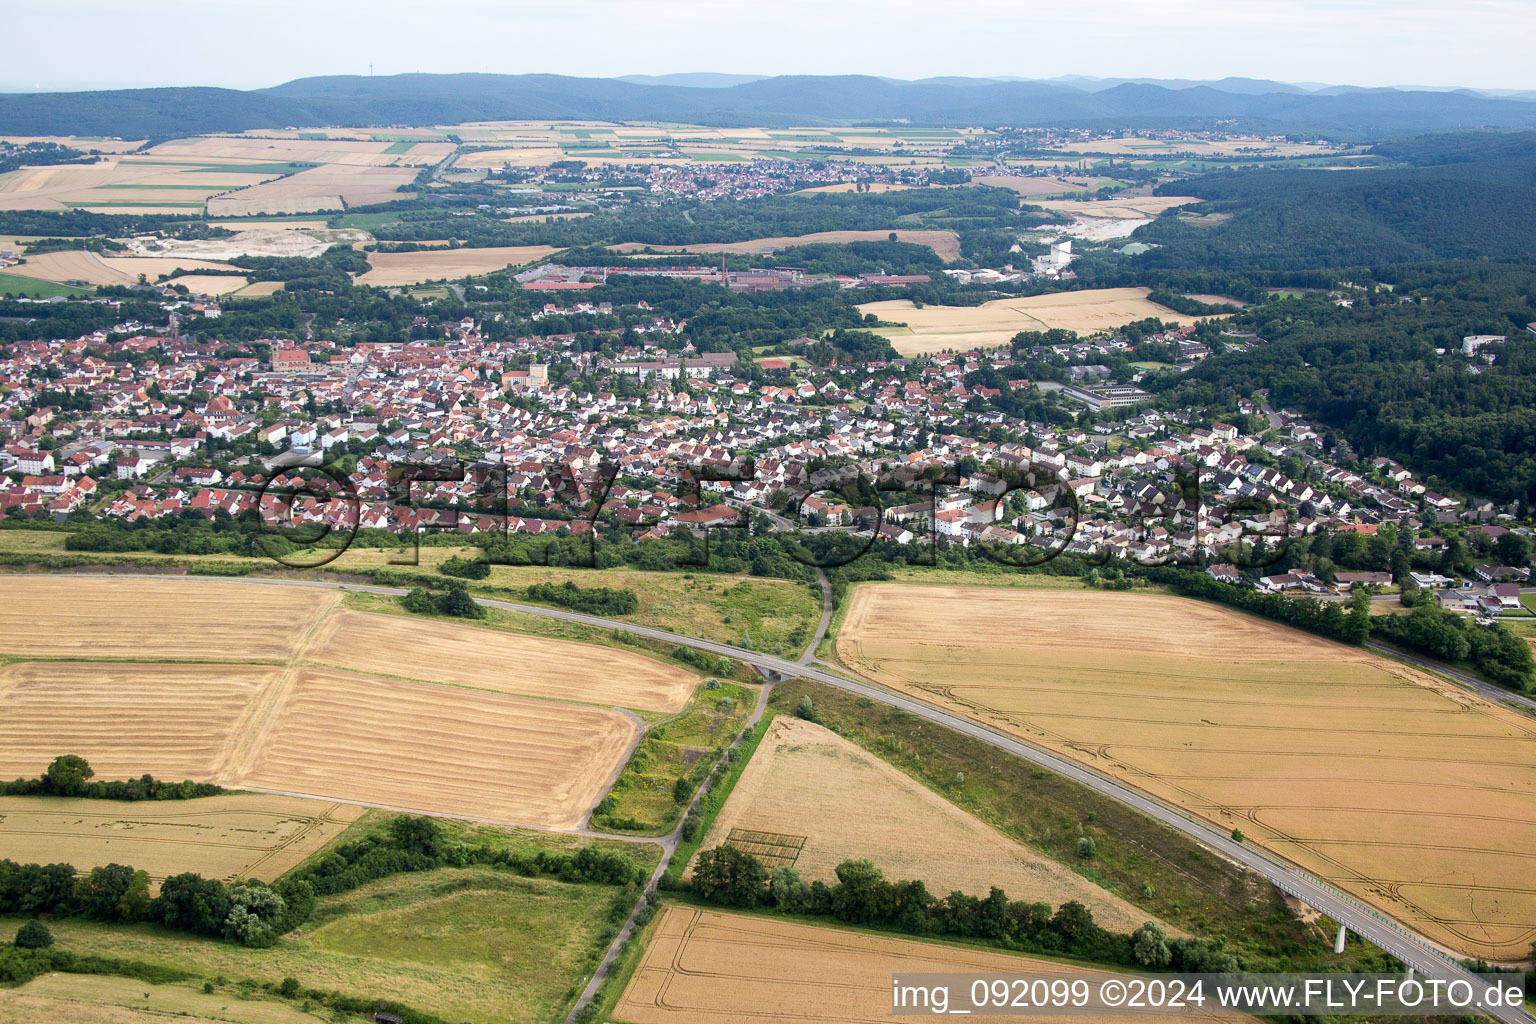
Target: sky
{"x": 82, "y": 44}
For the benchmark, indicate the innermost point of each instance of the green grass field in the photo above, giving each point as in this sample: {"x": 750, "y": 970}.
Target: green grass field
{"x": 685, "y": 746}
{"x": 467, "y": 944}
{"x": 33, "y": 288}
{"x": 29, "y": 541}
{"x": 367, "y": 221}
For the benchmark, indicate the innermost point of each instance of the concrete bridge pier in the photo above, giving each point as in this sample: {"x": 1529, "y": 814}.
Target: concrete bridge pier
{"x": 1338, "y": 942}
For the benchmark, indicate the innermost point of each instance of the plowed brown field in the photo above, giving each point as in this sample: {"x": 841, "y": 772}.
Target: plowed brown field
{"x": 1403, "y": 789}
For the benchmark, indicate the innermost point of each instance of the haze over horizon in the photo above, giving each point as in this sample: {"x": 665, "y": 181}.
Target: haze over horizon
{"x": 245, "y": 45}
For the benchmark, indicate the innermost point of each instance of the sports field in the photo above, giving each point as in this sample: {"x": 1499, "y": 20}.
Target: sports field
{"x": 824, "y": 800}
{"x": 275, "y": 688}
{"x": 401, "y": 268}
{"x": 1403, "y": 789}
{"x": 244, "y": 835}
{"x": 707, "y": 967}
{"x": 992, "y": 324}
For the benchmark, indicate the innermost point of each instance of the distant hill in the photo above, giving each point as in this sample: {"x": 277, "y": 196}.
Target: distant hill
{"x": 694, "y": 79}
{"x": 1357, "y": 114}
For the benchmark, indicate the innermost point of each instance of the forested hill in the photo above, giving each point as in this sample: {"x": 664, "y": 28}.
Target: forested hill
{"x": 782, "y": 101}
{"x": 1462, "y": 196}
{"x": 1372, "y": 373}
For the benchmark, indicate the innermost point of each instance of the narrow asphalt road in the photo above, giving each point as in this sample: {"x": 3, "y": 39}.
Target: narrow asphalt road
{"x": 826, "y": 618}
{"x": 1488, "y": 691}
{"x": 1412, "y": 949}
{"x": 669, "y": 845}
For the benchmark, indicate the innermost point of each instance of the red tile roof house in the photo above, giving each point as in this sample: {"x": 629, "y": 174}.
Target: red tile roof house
{"x": 714, "y": 516}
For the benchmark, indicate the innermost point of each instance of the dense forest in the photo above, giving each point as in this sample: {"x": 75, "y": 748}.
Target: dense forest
{"x": 1458, "y": 196}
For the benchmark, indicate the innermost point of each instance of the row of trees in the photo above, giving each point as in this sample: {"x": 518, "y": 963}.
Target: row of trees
{"x": 731, "y": 877}
{"x": 1496, "y": 652}
{"x": 255, "y": 914}
{"x": 1328, "y": 618}
{"x": 605, "y": 601}
{"x": 412, "y": 843}
{"x": 70, "y": 775}
{"x": 248, "y": 912}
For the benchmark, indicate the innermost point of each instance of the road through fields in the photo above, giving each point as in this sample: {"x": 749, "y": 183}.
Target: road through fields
{"x": 1414, "y": 950}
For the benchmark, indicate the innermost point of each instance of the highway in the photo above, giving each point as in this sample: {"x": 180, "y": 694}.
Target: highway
{"x": 1366, "y": 922}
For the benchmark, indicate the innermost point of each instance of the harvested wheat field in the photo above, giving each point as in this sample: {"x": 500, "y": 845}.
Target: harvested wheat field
{"x": 707, "y": 967}
{"x": 808, "y": 784}
{"x": 459, "y": 744}
{"x": 327, "y": 187}
{"x": 244, "y": 835}
{"x": 342, "y": 152}
{"x": 945, "y": 243}
{"x": 1029, "y": 185}
{"x": 960, "y": 328}
{"x": 211, "y": 284}
{"x": 169, "y": 719}
{"x": 1399, "y": 787}
{"x": 261, "y": 288}
{"x": 155, "y": 618}
{"x": 117, "y": 181}
{"x": 448, "y": 750}
{"x": 79, "y": 265}
{"x": 59, "y": 998}
{"x": 401, "y": 268}
{"x": 489, "y": 659}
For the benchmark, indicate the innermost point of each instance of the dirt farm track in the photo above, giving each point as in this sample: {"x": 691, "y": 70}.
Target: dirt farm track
{"x": 282, "y": 689}
{"x": 1407, "y": 791}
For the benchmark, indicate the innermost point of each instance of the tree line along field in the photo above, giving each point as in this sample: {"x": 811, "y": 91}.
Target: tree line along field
{"x": 776, "y": 616}
{"x": 475, "y": 945}
{"x": 252, "y": 685}
{"x": 708, "y": 967}
{"x": 1403, "y": 790}
{"x": 242, "y": 835}
{"x": 812, "y": 799}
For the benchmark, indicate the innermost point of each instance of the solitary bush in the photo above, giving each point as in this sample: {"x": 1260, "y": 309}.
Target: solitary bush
{"x": 34, "y": 935}
{"x": 465, "y": 568}
{"x": 1086, "y": 848}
